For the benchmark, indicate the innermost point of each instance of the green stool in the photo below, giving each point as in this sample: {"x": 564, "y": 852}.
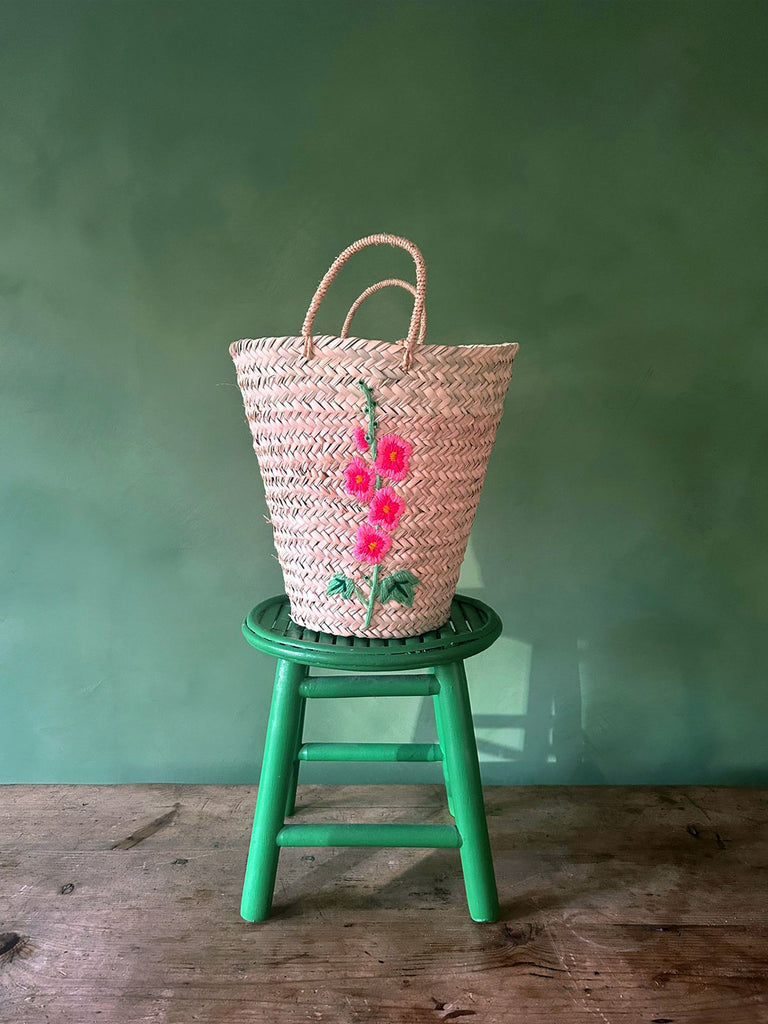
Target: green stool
{"x": 472, "y": 627}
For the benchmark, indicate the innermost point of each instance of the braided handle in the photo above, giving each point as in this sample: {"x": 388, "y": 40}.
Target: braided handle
{"x": 338, "y": 263}
{"x": 390, "y": 282}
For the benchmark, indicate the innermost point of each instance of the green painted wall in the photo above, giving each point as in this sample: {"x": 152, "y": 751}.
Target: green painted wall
{"x": 588, "y": 179}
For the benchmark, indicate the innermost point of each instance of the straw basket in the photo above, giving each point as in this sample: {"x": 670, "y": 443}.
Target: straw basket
{"x": 373, "y": 455}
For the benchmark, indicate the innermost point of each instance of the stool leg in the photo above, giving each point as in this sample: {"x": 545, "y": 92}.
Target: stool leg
{"x": 290, "y": 805}
{"x": 276, "y": 773}
{"x": 464, "y": 771}
{"x": 441, "y": 741}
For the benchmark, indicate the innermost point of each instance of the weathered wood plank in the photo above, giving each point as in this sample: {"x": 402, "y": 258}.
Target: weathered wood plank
{"x": 619, "y": 905}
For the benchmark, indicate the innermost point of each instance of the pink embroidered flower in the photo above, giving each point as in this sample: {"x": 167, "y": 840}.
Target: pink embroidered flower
{"x": 386, "y": 509}
{"x": 359, "y": 479}
{"x": 361, "y": 441}
{"x": 371, "y": 545}
{"x": 392, "y": 454}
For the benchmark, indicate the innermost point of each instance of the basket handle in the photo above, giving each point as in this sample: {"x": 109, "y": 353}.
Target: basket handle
{"x": 338, "y": 263}
{"x": 390, "y": 282}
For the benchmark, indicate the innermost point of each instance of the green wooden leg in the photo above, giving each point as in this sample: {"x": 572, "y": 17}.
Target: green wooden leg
{"x": 290, "y": 805}
{"x": 464, "y": 772}
{"x": 441, "y": 741}
{"x": 276, "y": 774}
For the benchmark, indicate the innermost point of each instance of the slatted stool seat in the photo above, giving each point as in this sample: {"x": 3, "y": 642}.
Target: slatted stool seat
{"x": 472, "y": 627}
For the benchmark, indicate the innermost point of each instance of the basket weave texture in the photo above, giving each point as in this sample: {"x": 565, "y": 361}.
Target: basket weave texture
{"x": 443, "y": 401}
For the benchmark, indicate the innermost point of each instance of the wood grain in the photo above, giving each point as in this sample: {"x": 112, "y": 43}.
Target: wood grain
{"x": 618, "y": 905}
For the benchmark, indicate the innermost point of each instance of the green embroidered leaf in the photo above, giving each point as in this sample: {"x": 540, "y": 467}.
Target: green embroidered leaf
{"x": 398, "y": 586}
{"x": 340, "y": 584}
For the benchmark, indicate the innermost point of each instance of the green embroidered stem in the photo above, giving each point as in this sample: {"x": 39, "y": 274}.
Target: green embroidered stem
{"x": 372, "y": 597}
{"x": 370, "y": 408}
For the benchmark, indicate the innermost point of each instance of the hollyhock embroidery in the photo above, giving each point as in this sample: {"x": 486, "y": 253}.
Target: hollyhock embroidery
{"x": 371, "y": 545}
{"x": 386, "y": 509}
{"x": 392, "y": 455}
{"x": 361, "y": 441}
{"x": 359, "y": 480}
{"x": 364, "y": 481}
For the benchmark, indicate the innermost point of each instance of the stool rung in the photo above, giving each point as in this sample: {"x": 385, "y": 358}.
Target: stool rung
{"x": 365, "y": 686}
{"x": 370, "y": 752}
{"x": 427, "y": 836}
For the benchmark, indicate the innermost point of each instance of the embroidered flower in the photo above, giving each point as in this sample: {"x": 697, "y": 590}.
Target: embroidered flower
{"x": 359, "y": 479}
{"x": 392, "y": 454}
{"x": 368, "y": 483}
{"x": 371, "y": 545}
{"x": 386, "y": 509}
{"x": 361, "y": 441}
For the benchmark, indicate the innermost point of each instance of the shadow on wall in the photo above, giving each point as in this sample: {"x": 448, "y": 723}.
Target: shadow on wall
{"x": 540, "y": 738}
{"x": 617, "y": 546}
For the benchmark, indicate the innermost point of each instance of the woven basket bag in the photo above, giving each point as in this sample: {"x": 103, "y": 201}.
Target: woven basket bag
{"x": 373, "y": 455}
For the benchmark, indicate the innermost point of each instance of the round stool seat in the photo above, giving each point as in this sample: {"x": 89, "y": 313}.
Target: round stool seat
{"x": 471, "y": 628}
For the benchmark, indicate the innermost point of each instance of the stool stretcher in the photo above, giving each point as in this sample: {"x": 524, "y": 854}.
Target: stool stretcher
{"x": 425, "y": 836}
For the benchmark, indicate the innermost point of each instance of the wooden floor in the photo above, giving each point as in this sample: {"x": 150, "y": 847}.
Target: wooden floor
{"x": 618, "y": 905}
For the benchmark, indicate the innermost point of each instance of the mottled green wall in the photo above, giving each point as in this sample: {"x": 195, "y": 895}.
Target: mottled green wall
{"x": 588, "y": 179}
